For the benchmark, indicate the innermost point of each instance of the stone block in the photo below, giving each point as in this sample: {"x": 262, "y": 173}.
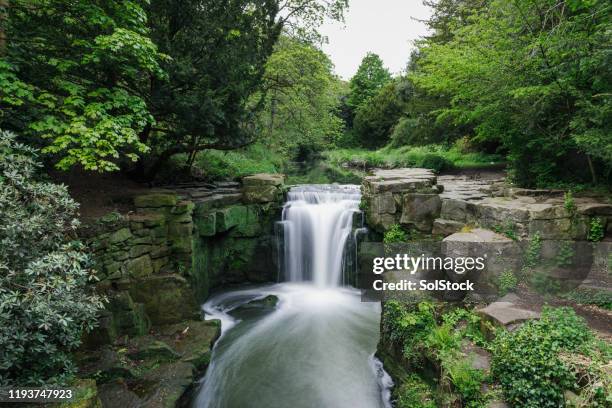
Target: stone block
{"x": 139, "y": 267}
{"x": 167, "y": 299}
{"x": 155, "y": 200}
{"x": 206, "y": 224}
{"x": 446, "y": 227}
{"x": 420, "y": 210}
{"x": 120, "y": 236}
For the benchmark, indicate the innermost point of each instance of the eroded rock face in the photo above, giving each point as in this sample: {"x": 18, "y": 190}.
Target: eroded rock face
{"x": 263, "y": 188}
{"x": 500, "y": 254}
{"x": 401, "y": 196}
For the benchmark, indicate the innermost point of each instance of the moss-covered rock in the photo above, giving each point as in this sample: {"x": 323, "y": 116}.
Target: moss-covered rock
{"x": 155, "y": 350}
{"x": 85, "y": 395}
{"x": 155, "y": 200}
{"x": 167, "y": 299}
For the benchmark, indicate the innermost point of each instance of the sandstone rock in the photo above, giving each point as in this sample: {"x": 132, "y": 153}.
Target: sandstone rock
{"x": 206, "y": 224}
{"x": 194, "y": 340}
{"x": 117, "y": 394}
{"x": 505, "y": 312}
{"x": 139, "y": 267}
{"x": 446, "y": 227}
{"x": 163, "y": 386}
{"x": 85, "y": 395}
{"x": 262, "y": 188}
{"x": 383, "y": 203}
{"x": 156, "y": 200}
{"x": 167, "y": 299}
{"x": 230, "y": 217}
{"x": 119, "y": 236}
{"x": 501, "y": 254}
{"x": 153, "y": 350}
{"x": 420, "y": 210}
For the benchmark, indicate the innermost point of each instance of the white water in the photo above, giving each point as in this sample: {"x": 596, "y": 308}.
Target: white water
{"x": 316, "y": 347}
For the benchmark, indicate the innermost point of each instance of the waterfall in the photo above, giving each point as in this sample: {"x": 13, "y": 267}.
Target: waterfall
{"x": 317, "y": 221}
{"x": 316, "y": 347}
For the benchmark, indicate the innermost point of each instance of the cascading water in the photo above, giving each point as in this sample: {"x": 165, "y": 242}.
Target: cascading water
{"x": 315, "y": 348}
{"x": 317, "y": 222}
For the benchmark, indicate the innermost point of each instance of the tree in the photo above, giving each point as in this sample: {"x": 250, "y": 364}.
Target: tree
{"x": 370, "y": 77}
{"x": 301, "y": 99}
{"x": 376, "y": 117}
{"x": 218, "y": 54}
{"x": 70, "y": 77}
{"x": 45, "y": 300}
{"x": 535, "y": 76}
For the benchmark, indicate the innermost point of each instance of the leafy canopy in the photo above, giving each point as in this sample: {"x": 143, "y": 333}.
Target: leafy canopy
{"x": 70, "y": 76}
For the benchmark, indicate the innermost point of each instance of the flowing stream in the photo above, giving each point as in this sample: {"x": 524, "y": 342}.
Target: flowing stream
{"x": 315, "y": 347}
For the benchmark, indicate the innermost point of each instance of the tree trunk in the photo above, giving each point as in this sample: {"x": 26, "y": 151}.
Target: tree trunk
{"x": 592, "y": 169}
{"x": 4, "y": 6}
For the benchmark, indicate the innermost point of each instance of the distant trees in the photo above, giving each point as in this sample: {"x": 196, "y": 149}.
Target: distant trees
{"x": 300, "y": 100}
{"x": 530, "y": 78}
{"x": 534, "y": 76}
{"x": 370, "y": 77}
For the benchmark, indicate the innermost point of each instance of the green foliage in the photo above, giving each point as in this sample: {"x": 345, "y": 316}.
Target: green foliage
{"x": 508, "y": 228}
{"x": 601, "y": 298}
{"x": 299, "y": 114}
{"x": 45, "y": 303}
{"x": 71, "y": 76}
{"x": 543, "y": 283}
{"x": 436, "y": 157}
{"x": 415, "y": 393}
{"x": 569, "y": 203}
{"x": 526, "y": 361}
{"x": 596, "y": 230}
{"x": 409, "y": 326}
{"x": 466, "y": 379}
{"x": 370, "y": 77}
{"x": 507, "y": 282}
{"x": 219, "y": 165}
{"x": 532, "y": 254}
{"x": 376, "y": 116}
{"x": 395, "y": 234}
{"x": 532, "y": 76}
{"x": 565, "y": 255}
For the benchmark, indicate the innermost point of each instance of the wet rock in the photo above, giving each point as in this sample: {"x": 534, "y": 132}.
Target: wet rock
{"x": 194, "y": 340}
{"x": 152, "y": 350}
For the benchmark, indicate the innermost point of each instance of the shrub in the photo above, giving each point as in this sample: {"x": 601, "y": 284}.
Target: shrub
{"x": 395, "y": 234}
{"x": 409, "y": 325}
{"x": 596, "y": 232}
{"x": 569, "y": 203}
{"x": 435, "y": 162}
{"x": 45, "y": 304}
{"x": 466, "y": 379}
{"x": 414, "y": 393}
{"x": 526, "y": 361}
{"x": 507, "y": 282}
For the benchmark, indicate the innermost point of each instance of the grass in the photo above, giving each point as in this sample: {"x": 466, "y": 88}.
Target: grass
{"x": 234, "y": 164}
{"x": 431, "y": 156}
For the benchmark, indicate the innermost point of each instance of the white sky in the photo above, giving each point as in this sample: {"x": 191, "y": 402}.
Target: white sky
{"x": 384, "y": 27}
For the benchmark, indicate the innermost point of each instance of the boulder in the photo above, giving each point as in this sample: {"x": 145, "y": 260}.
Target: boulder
{"x": 420, "y": 210}
{"x": 152, "y": 350}
{"x": 500, "y": 252}
{"x": 263, "y": 188}
{"x": 85, "y": 395}
{"x": 446, "y": 227}
{"x": 167, "y": 299}
{"x": 506, "y": 312}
